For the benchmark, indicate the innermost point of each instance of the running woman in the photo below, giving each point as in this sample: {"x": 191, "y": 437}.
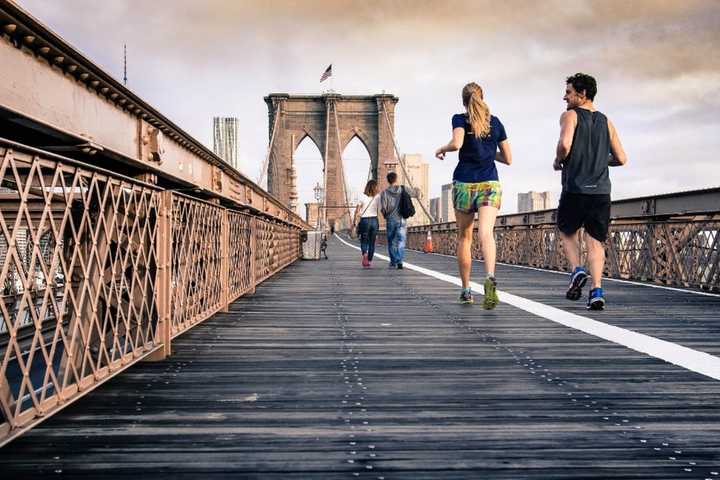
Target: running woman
{"x": 482, "y": 141}
{"x": 588, "y": 144}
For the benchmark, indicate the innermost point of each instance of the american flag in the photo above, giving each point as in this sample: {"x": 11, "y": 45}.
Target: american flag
{"x": 327, "y": 73}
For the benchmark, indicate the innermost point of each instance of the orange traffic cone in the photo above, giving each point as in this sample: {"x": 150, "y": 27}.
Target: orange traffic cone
{"x": 427, "y": 248}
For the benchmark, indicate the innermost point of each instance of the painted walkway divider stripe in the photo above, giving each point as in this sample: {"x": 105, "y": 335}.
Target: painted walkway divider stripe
{"x": 693, "y": 360}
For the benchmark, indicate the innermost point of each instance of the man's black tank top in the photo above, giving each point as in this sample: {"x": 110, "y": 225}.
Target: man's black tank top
{"x": 585, "y": 170}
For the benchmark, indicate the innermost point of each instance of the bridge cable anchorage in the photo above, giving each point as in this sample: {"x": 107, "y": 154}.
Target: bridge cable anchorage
{"x": 402, "y": 165}
{"x": 266, "y": 163}
{"x": 342, "y": 168}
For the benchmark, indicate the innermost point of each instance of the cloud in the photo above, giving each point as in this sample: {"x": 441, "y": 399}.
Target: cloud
{"x": 655, "y": 60}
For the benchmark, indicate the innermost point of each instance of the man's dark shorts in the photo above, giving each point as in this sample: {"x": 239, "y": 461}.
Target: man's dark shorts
{"x": 581, "y": 210}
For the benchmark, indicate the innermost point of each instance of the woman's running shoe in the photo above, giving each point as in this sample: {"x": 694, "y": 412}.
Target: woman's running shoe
{"x": 491, "y": 297}
{"x": 466, "y": 296}
{"x": 578, "y": 279}
{"x": 596, "y": 300}
{"x": 365, "y": 262}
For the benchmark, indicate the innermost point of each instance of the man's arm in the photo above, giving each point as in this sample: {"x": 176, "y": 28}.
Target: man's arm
{"x": 568, "y": 122}
{"x": 618, "y": 157}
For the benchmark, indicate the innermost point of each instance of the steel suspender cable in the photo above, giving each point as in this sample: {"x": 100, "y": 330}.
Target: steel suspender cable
{"x": 264, "y": 170}
{"x": 402, "y": 164}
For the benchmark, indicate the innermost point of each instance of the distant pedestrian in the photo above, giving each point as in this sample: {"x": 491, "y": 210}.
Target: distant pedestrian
{"x": 323, "y": 245}
{"x": 366, "y": 219}
{"x": 482, "y": 141}
{"x": 395, "y": 226}
{"x": 588, "y": 144}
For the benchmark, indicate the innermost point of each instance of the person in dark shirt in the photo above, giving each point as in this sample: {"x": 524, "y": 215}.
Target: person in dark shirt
{"x": 482, "y": 141}
{"x": 588, "y": 144}
{"x": 323, "y": 245}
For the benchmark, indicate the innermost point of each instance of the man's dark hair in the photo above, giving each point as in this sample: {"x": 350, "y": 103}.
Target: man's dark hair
{"x": 391, "y": 177}
{"x": 583, "y": 82}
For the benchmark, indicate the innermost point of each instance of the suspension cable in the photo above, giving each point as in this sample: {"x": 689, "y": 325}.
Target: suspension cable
{"x": 266, "y": 163}
{"x": 402, "y": 164}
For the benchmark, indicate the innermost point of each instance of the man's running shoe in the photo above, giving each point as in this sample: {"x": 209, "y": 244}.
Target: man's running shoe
{"x": 578, "y": 279}
{"x": 491, "y": 297}
{"x": 466, "y": 296}
{"x": 399, "y": 266}
{"x": 596, "y": 300}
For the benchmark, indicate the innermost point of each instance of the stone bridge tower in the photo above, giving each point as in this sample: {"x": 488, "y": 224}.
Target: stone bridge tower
{"x": 331, "y": 121}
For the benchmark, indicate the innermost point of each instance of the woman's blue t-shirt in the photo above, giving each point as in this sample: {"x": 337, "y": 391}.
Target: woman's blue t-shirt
{"x": 477, "y": 155}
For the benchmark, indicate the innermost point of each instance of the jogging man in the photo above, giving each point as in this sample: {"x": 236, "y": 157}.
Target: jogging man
{"x": 588, "y": 144}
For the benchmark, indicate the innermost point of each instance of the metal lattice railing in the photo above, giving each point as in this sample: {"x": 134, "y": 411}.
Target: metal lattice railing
{"x": 241, "y": 246}
{"x": 682, "y": 251}
{"x": 197, "y": 258}
{"x": 99, "y": 271}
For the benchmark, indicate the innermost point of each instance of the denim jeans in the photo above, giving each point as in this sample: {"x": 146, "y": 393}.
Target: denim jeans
{"x": 396, "y": 234}
{"x": 368, "y": 228}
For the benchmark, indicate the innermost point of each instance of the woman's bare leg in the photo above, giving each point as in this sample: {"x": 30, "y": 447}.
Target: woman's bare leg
{"x": 465, "y": 222}
{"x": 486, "y": 235}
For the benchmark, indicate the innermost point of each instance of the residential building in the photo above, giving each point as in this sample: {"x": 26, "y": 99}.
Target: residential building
{"x": 312, "y": 213}
{"x": 532, "y": 201}
{"x": 418, "y": 172}
{"x": 447, "y": 212}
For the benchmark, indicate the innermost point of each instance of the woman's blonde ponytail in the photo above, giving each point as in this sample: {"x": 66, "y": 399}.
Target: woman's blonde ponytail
{"x": 477, "y": 110}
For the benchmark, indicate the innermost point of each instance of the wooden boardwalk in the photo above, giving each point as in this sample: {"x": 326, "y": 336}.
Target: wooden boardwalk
{"x": 330, "y": 371}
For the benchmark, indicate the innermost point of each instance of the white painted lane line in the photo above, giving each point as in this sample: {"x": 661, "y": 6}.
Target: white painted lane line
{"x": 693, "y": 360}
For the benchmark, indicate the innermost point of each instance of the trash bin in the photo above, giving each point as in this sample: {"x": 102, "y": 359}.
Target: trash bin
{"x": 311, "y": 247}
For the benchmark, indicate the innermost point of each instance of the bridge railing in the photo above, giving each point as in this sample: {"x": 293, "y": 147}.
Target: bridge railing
{"x": 99, "y": 271}
{"x": 680, "y": 249}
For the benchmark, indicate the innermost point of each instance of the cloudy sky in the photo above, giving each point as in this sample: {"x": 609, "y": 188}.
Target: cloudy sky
{"x": 656, "y": 62}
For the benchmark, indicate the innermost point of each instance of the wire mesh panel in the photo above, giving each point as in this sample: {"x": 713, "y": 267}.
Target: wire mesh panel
{"x": 278, "y": 245}
{"x": 682, "y": 251}
{"x": 77, "y": 277}
{"x": 240, "y": 264}
{"x": 196, "y": 281}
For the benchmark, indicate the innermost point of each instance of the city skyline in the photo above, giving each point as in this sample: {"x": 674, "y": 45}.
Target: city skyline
{"x": 657, "y": 73}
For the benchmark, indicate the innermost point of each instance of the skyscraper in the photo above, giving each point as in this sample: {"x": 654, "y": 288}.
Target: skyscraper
{"x": 225, "y": 139}
{"x": 532, "y": 201}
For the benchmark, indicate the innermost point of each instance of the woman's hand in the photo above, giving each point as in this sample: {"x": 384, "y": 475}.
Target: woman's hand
{"x": 440, "y": 154}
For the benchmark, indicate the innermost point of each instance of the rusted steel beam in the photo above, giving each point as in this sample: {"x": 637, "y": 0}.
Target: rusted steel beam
{"x": 46, "y": 84}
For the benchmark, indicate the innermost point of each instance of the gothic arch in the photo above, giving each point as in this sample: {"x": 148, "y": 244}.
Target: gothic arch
{"x": 331, "y": 121}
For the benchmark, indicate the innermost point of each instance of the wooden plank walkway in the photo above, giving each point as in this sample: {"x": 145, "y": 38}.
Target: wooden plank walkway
{"x": 330, "y": 371}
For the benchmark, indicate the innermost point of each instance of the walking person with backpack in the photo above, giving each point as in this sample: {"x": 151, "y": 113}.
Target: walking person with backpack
{"x": 396, "y": 206}
{"x": 367, "y": 227}
{"x": 481, "y": 140}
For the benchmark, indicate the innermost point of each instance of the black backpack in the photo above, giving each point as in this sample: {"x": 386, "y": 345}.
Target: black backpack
{"x": 406, "y": 209}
